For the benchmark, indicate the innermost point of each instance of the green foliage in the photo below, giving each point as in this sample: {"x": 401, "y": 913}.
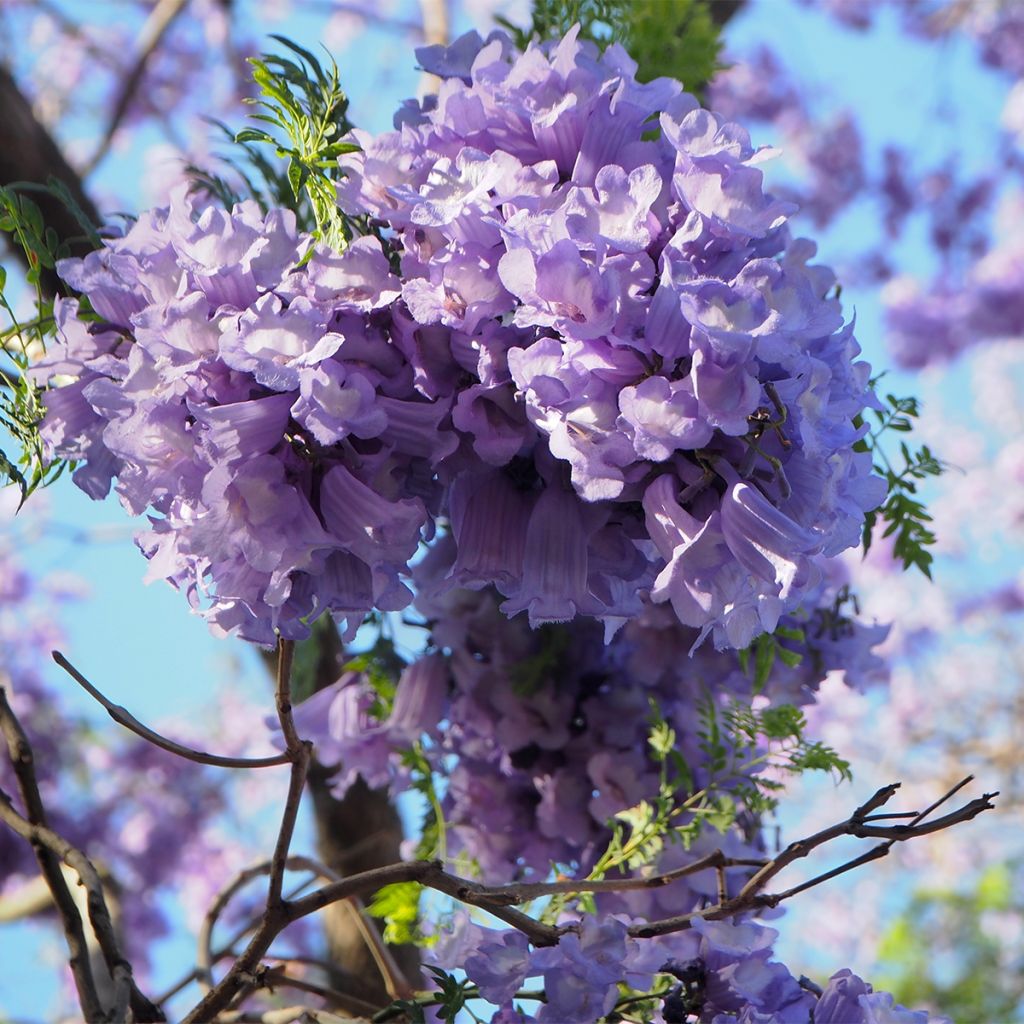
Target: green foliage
{"x": 635, "y": 1006}
{"x": 452, "y": 993}
{"x": 307, "y": 668}
{"x": 759, "y": 658}
{"x": 258, "y": 176}
{"x": 408, "y": 1011}
{"x": 782, "y": 728}
{"x": 678, "y": 38}
{"x": 381, "y": 665}
{"x": 399, "y": 906}
{"x": 943, "y": 952}
{"x": 23, "y": 342}
{"x": 433, "y": 841}
{"x": 903, "y": 513}
{"x": 307, "y": 114}
{"x": 736, "y": 742}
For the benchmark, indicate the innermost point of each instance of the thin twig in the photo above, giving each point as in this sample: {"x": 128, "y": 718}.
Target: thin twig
{"x": 124, "y": 717}
{"x": 942, "y": 799}
{"x": 153, "y": 30}
{"x": 224, "y": 950}
{"x": 204, "y": 950}
{"x": 283, "y": 694}
{"x": 277, "y": 976}
{"x": 40, "y": 836}
{"x": 20, "y": 753}
{"x": 300, "y": 752}
{"x": 752, "y": 897}
{"x": 275, "y": 917}
{"x": 394, "y": 982}
{"x": 522, "y": 892}
{"x": 284, "y": 1015}
{"x": 497, "y": 900}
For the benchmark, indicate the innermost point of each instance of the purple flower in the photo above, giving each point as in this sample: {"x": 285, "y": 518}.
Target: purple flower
{"x": 420, "y": 700}
{"x": 581, "y": 973}
{"x": 603, "y": 363}
{"x": 553, "y": 586}
{"x": 344, "y": 734}
{"x": 499, "y": 967}
{"x": 273, "y": 342}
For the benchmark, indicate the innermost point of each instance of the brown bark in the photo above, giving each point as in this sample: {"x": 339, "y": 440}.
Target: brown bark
{"x": 29, "y": 153}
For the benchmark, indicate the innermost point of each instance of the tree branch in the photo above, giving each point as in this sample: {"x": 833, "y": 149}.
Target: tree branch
{"x": 752, "y": 897}
{"x": 275, "y": 916}
{"x": 29, "y": 153}
{"x": 206, "y": 957}
{"x": 159, "y": 21}
{"x": 20, "y": 754}
{"x": 299, "y": 752}
{"x": 395, "y": 983}
{"x": 496, "y": 900}
{"x": 45, "y": 840}
{"x": 124, "y": 717}
{"x": 355, "y": 833}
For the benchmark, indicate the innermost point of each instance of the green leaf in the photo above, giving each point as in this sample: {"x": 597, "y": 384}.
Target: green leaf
{"x": 14, "y": 476}
{"x": 57, "y": 188}
{"x": 784, "y": 721}
{"x": 297, "y": 175}
{"x": 453, "y": 993}
{"x": 399, "y": 906}
{"x": 902, "y": 516}
{"x": 253, "y": 135}
{"x": 678, "y": 39}
{"x": 721, "y": 815}
{"x": 304, "y": 108}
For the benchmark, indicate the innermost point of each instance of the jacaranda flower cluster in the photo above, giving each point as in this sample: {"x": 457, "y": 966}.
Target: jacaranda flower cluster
{"x": 580, "y": 338}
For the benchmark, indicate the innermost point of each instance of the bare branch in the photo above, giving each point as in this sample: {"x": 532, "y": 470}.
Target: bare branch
{"x": 274, "y": 977}
{"x": 226, "y": 949}
{"x": 45, "y": 839}
{"x": 275, "y": 917}
{"x": 752, "y": 897}
{"x": 300, "y": 752}
{"x": 159, "y": 21}
{"x": 20, "y": 753}
{"x": 496, "y": 900}
{"x": 285, "y": 1015}
{"x": 395, "y": 984}
{"x": 523, "y": 892}
{"x": 124, "y": 717}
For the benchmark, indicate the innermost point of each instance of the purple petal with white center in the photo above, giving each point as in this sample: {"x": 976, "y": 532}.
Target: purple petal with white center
{"x": 334, "y": 402}
{"x": 273, "y": 342}
{"x": 662, "y": 417}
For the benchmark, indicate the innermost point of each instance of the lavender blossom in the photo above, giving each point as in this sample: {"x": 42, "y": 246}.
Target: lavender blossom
{"x": 612, "y": 335}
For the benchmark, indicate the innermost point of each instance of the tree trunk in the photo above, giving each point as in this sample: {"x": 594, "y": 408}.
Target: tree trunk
{"x": 29, "y": 153}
